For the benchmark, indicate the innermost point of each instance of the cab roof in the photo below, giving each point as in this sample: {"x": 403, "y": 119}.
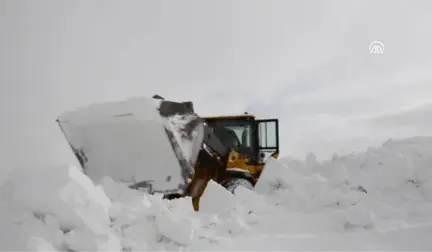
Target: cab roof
{"x": 241, "y": 116}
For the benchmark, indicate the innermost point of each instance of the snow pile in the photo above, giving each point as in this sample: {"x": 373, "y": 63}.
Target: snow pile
{"x": 67, "y": 211}
{"x": 300, "y": 205}
{"x": 148, "y": 222}
{"x": 59, "y": 208}
{"x": 384, "y": 188}
{"x": 308, "y": 187}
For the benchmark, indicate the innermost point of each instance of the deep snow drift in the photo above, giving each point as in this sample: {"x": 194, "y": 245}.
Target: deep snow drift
{"x": 377, "y": 200}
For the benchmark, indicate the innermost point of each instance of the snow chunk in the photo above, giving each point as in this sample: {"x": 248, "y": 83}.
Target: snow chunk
{"x": 64, "y": 192}
{"x": 21, "y": 230}
{"x": 359, "y": 217}
{"x": 84, "y": 239}
{"x": 246, "y": 195}
{"x": 40, "y": 244}
{"x": 275, "y": 175}
{"x": 216, "y": 199}
{"x": 235, "y": 224}
{"x": 177, "y": 224}
{"x": 178, "y": 229}
{"x": 255, "y": 203}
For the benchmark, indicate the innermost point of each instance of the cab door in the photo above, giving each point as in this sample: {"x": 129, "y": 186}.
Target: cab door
{"x": 268, "y": 139}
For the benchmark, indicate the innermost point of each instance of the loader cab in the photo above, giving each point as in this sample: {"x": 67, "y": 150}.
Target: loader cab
{"x": 255, "y": 139}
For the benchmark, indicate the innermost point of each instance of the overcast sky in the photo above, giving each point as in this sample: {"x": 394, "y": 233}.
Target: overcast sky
{"x": 305, "y": 62}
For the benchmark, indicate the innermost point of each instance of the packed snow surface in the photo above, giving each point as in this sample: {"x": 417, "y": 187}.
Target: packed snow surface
{"x": 377, "y": 200}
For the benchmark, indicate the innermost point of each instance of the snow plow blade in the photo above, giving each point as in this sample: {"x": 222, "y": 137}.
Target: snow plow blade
{"x": 148, "y": 143}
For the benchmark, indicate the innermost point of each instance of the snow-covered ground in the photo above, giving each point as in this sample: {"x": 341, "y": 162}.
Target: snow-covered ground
{"x": 380, "y": 199}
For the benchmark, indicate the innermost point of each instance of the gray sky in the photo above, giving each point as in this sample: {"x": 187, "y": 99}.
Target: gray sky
{"x": 305, "y": 62}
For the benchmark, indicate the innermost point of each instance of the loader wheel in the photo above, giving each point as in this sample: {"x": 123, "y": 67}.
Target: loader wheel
{"x": 232, "y": 183}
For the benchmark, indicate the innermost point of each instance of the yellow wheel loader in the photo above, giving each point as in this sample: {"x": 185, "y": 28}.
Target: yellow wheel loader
{"x": 162, "y": 146}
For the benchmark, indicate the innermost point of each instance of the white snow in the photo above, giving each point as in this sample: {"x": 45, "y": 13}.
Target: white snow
{"x": 380, "y": 199}
{"x": 225, "y": 200}
{"x": 189, "y": 144}
{"x": 111, "y": 134}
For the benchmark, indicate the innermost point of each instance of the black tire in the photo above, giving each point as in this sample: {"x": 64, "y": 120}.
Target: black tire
{"x": 232, "y": 184}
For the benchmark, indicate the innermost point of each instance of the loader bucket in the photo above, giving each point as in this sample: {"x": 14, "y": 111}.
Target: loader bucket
{"x": 148, "y": 143}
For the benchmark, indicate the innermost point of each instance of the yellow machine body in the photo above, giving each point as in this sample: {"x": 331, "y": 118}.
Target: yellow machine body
{"x": 236, "y": 160}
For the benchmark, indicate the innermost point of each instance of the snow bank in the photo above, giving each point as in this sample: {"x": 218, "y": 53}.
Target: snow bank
{"x": 366, "y": 198}
{"x": 66, "y": 211}
{"x": 385, "y": 188}
{"x": 64, "y": 192}
{"x": 61, "y": 203}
